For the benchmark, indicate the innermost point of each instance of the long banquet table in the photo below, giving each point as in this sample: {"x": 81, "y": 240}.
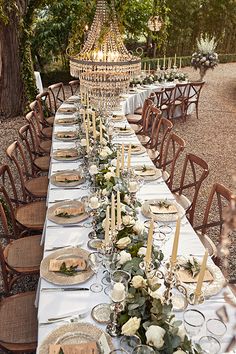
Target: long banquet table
{"x": 51, "y": 304}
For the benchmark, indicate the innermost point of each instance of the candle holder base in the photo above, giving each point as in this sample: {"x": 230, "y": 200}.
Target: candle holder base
{"x": 194, "y": 299}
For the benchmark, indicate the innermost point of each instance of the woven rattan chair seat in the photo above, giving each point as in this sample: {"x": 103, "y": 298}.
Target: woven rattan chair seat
{"x": 135, "y": 127}
{"x": 50, "y": 120}
{"x": 47, "y": 132}
{"x": 42, "y": 163}
{"x": 144, "y": 139}
{"x": 139, "y": 110}
{"x": 133, "y": 118}
{"x": 31, "y": 215}
{"x": 18, "y": 319}
{"x": 25, "y": 252}
{"x": 153, "y": 154}
{"x": 45, "y": 145}
{"x": 37, "y": 186}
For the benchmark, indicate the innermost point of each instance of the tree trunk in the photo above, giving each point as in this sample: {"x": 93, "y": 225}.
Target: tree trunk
{"x": 11, "y": 84}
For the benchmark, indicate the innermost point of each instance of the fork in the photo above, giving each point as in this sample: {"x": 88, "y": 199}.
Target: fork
{"x": 70, "y": 319}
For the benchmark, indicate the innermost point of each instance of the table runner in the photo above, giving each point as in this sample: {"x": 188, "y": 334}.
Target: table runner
{"x": 57, "y": 303}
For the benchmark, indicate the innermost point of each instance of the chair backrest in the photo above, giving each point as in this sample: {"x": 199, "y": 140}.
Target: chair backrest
{"x": 194, "y": 89}
{"x": 45, "y": 106}
{"x": 58, "y": 95}
{"x": 219, "y": 197}
{"x": 16, "y": 154}
{"x": 168, "y": 95}
{"x": 195, "y": 170}
{"x": 27, "y": 137}
{"x": 35, "y": 132}
{"x": 181, "y": 90}
{"x": 159, "y": 96}
{"x": 74, "y": 86}
{"x": 161, "y": 128}
{"x": 171, "y": 151}
{"x": 146, "y": 115}
{"x": 4, "y": 272}
{"x": 9, "y": 196}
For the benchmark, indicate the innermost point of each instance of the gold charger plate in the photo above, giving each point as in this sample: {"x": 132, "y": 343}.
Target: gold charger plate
{"x": 87, "y": 332}
{"x": 68, "y": 183}
{"x": 136, "y": 149}
{"x": 64, "y": 220}
{"x": 128, "y": 131}
{"x": 58, "y": 278}
{"x": 66, "y": 138}
{"x": 66, "y": 121}
{"x": 209, "y": 288}
{"x": 65, "y": 158}
{"x": 156, "y": 173}
{"x": 145, "y": 209}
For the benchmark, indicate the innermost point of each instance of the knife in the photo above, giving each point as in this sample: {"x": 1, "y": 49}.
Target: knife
{"x": 64, "y": 289}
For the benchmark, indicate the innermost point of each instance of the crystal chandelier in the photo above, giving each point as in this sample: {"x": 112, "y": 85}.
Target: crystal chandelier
{"x": 104, "y": 49}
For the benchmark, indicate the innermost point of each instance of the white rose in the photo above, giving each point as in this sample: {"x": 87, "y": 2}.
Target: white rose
{"x": 181, "y": 333}
{"x": 127, "y": 220}
{"x": 112, "y": 169}
{"x": 155, "y": 335}
{"x": 83, "y": 142}
{"x": 131, "y": 326}
{"x": 127, "y": 199}
{"x": 138, "y": 227}
{"x": 123, "y": 242}
{"x": 179, "y": 351}
{"x": 105, "y": 192}
{"x": 104, "y": 142}
{"x": 108, "y": 176}
{"x": 139, "y": 282}
{"x": 157, "y": 294}
{"x": 142, "y": 251}
{"x": 108, "y": 150}
{"x": 124, "y": 257}
{"x": 103, "y": 154}
{"x": 93, "y": 170}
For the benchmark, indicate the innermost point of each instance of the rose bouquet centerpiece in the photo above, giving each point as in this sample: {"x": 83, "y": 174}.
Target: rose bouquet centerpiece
{"x": 205, "y": 57}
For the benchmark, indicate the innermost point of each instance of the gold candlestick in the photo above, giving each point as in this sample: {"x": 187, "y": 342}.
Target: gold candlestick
{"x": 148, "y": 256}
{"x": 201, "y": 275}
{"x": 175, "y": 243}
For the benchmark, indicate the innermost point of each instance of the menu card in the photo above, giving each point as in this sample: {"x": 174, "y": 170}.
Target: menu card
{"x": 88, "y": 348}
{"x": 156, "y": 209}
{"x": 55, "y": 264}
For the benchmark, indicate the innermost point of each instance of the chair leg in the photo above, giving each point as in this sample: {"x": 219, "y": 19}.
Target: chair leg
{"x": 197, "y": 109}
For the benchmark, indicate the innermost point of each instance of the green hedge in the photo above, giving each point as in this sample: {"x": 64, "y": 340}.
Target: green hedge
{"x": 52, "y": 77}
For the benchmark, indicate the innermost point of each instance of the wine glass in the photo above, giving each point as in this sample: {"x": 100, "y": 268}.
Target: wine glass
{"x": 128, "y": 343}
{"x": 193, "y": 322}
{"x": 119, "y": 351}
{"x": 209, "y": 345}
{"x": 143, "y": 349}
{"x": 216, "y": 328}
{"x": 95, "y": 261}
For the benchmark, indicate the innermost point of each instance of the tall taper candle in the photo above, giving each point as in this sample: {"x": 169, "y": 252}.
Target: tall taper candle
{"x": 129, "y": 157}
{"x": 175, "y": 60}
{"x": 119, "y": 218}
{"x": 118, "y": 164}
{"x": 123, "y": 157}
{"x": 148, "y": 256}
{"x": 101, "y": 133}
{"x": 149, "y": 69}
{"x": 107, "y": 226}
{"x": 201, "y": 274}
{"x": 180, "y": 63}
{"x": 94, "y": 124}
{"x": 87, "y": 137}
{"x": 164, "y": 62}
{"x": 113, "y": 213}
{"x": 175, "y": 243}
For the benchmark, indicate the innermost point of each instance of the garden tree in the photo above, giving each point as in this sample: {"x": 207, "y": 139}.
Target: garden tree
{"x": 16, "y": 70}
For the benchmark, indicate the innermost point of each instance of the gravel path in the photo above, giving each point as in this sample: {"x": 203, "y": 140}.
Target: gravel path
{"x": 212, "y": 137}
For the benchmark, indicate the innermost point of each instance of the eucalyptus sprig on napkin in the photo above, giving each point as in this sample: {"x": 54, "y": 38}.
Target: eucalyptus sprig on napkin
{"x": 70, "y": 271}
{"x": 192, "y": 267}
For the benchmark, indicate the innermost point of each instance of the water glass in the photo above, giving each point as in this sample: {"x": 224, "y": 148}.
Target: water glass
{"x": 128, "y": 343}
{"x": 193, "y": 322}
{"x": 143, "y": 349}
{"x": 209, "y": 345}
{"x": 119, "y": 351}
{"x": 95, "y": 261}
{"x": 216, "y": 328}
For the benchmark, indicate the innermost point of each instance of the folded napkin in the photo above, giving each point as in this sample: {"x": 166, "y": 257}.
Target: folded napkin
{"x": 134, "y": 148}
{"x": 69, "y": 211}
{"x": 66, "y": 134}
{"x": 186, "y": 277}
{"x": 55, "y": 264}
{"x": 66, "y": 120}
{"x": 146, "y": 172}
{"x": 88, "y": 348}
{"x": 66, "y": 153}
{"x": 158, "y": 209}
{"x": 67, "y": 178}
{"x": 67, "y": 110}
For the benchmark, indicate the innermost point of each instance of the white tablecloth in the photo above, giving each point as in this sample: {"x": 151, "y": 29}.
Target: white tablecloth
{"x": 58, "y": 303}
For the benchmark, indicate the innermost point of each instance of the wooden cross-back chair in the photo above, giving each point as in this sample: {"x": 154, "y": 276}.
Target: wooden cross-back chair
{"x": 58, "y": 95}
{"x": 44, "y": 131}
{"x": 38, "y": 163}
{"x": 148, "y": 127}
{"x": 20, "y": 257}
{"x": 32, "y": 188}
{"x": 42, "y": 144}
{"x": 166, "y": 101}
{"x": 174, "y": 145}
{"x": 74, "y": 87}
{"x": 24, "y": 216}
{"x": 219, "y": 198}
{"x": 45, "y": 109}
{"x": 180, "y": 101}
{"x": 161, "y": 128}
{"x": 195, "y": 170}
{"x": 194, "y": 90}
{"x": 137, "y": 118}
{"x": 159, "y": 97}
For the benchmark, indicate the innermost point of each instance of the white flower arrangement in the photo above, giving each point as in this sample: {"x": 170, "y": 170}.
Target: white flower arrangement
{"x": 205, "y": 58}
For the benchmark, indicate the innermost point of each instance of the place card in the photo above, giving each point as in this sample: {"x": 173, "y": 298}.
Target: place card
{"x": 67, "y": 178}
{"x": 88, "y": 348}
{"x": 146, "y": 172}
{"x": 156, "y": 209}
